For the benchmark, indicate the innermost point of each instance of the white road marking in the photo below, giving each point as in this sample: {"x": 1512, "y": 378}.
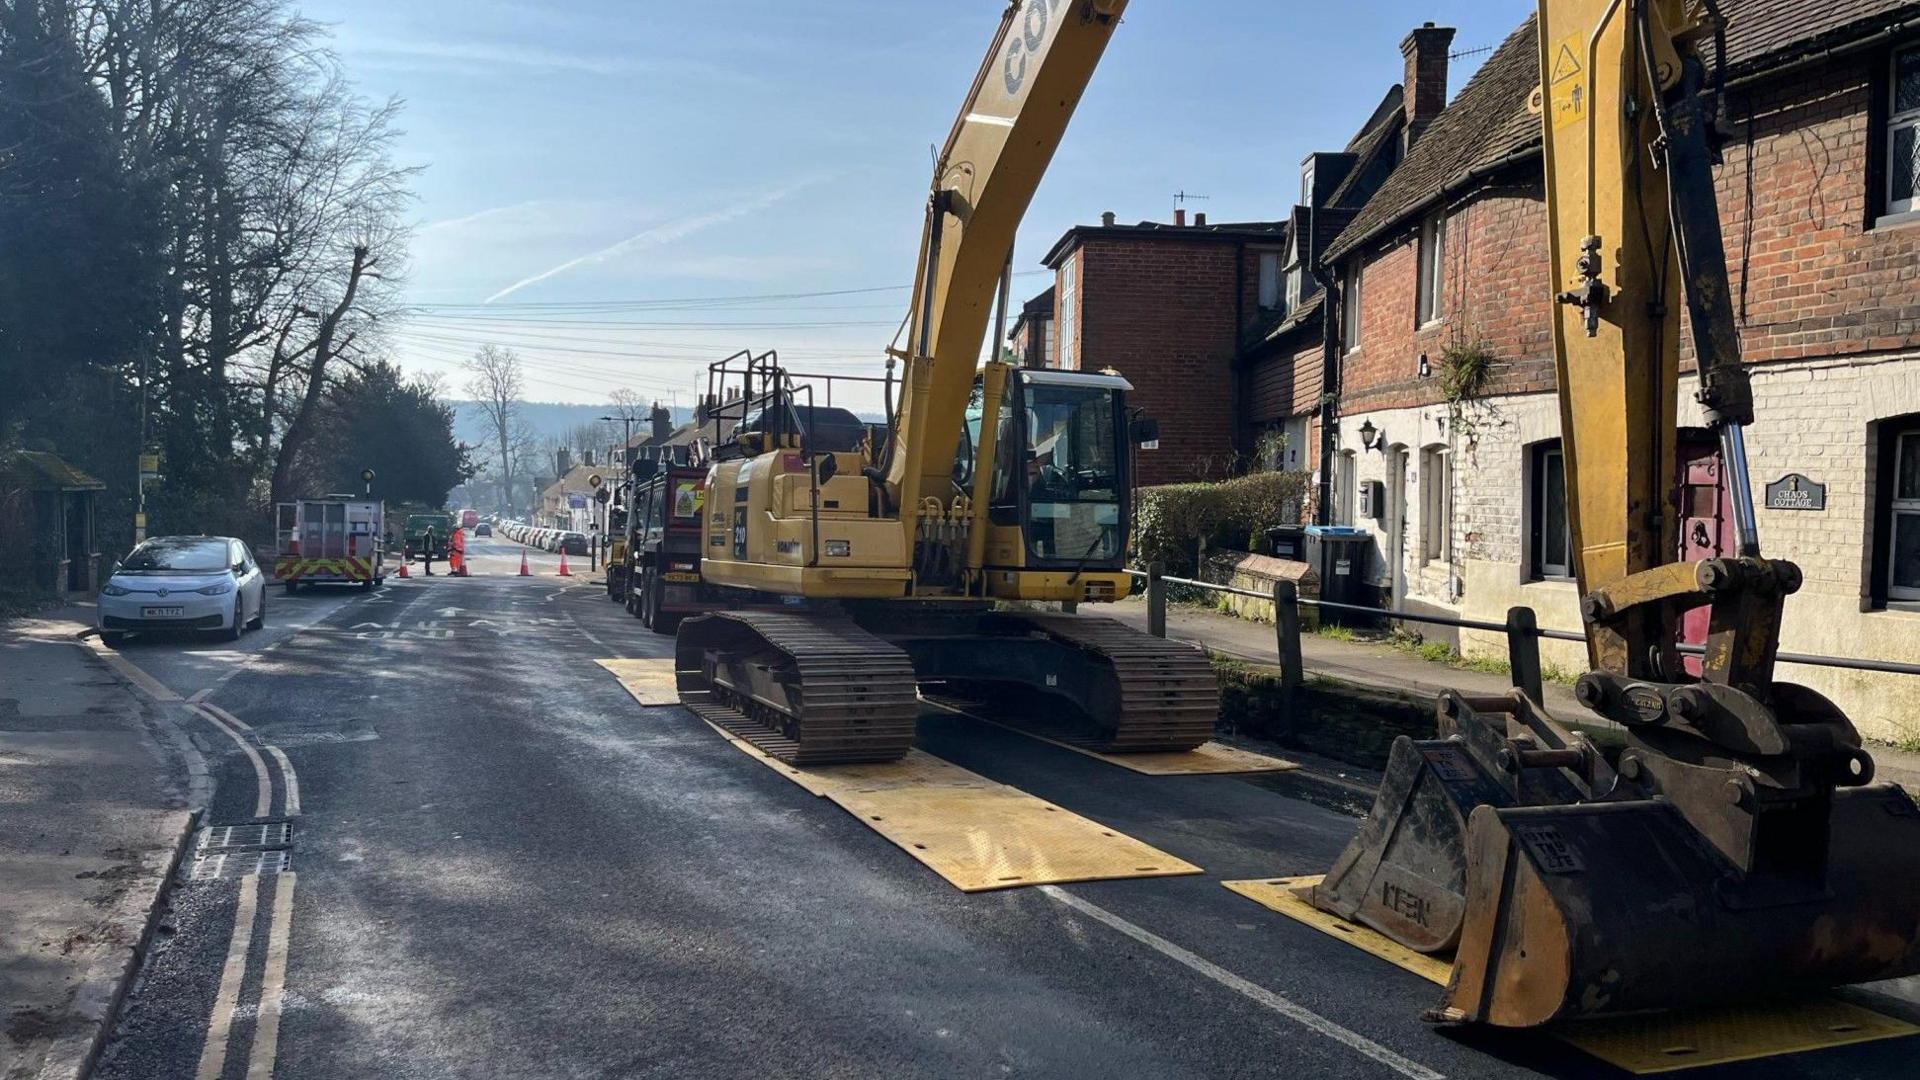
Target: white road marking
{"x": 213, "y": 1053}
{"x": 263, "y": 802}
{"x": 273, "y": 982}
{"x": 1301, "y": 1015}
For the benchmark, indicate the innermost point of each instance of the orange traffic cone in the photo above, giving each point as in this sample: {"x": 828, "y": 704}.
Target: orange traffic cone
{"x": 564, "y": 572}
{"x": 403, "y": 568}
{"x": 524, "y": 572}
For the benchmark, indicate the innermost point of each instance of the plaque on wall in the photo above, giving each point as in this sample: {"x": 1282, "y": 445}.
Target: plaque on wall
{"x": 1795, "y": 492}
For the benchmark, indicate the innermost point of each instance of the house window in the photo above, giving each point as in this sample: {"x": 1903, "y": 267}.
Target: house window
{"x": 1552, "y": 541}
{"x": 1436, "y": 503}
{"x": 1069, "y": 313}
{"x": 1433, "y": 268}
{"x": 1269, "y": 280}
{"x": 1903, "y": 132}
{"x": 1296, "y": 282}
{"x": 1902, "y": 511}
{"x": 1350, "y": 307}
{"x": 1046, "y": 345}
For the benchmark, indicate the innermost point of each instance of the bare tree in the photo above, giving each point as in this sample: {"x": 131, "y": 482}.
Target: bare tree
{"x": 630, "y": 413}
{"x": 497, "y": 383}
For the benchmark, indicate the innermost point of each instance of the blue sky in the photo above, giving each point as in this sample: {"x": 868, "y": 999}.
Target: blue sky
{"x": 661, "y": 155}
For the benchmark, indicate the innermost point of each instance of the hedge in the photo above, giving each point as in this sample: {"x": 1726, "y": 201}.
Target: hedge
{"x": 1171, "y": 520}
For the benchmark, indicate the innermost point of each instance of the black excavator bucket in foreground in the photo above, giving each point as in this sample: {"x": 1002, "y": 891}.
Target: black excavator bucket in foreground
{"x": 1739, "y": 852}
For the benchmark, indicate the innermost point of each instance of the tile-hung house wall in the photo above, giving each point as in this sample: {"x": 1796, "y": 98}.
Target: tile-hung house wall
{"x": 1816, "y": 200}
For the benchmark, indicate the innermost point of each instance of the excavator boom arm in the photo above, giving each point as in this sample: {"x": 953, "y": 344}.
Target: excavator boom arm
{"x": 1001, "y": 144}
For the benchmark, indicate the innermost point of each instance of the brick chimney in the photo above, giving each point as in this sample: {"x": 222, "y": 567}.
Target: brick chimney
{"x": 1200, "y": 220}
{"x": 1425, "y": 88}
{"x": 1107, "y": 219}
{"x": 1180, "y": 218}
{"x": 662, "y": 418}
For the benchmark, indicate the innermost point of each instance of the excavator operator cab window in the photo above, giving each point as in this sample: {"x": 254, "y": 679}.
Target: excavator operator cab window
{"x": 1073, "y": 483}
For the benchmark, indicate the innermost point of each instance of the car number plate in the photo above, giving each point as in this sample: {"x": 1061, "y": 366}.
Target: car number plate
{"x": 163, "y": 612}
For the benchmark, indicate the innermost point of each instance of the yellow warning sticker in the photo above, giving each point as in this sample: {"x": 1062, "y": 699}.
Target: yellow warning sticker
{"x": 1569, "y": 92}
{"x": 1642, "y": 1045}
{"x": 1565, "y": 64}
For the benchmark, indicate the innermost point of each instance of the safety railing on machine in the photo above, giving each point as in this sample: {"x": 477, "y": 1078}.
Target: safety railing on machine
{"x": 1522, "y": 630}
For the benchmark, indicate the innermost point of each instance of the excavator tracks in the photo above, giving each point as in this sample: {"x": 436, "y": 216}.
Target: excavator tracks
{"x": 806, "y": 689}
{"x": 1157, "y": 695}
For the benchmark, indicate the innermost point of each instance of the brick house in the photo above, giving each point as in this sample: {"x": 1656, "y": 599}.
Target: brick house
{"x": 1447, "y": 263}
{"x": 1165, "y": 305}
{"x": 1031, "y": 339}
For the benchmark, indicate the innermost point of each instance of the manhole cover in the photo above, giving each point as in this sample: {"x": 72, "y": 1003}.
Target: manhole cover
{"x": 227, "y": 865}
{"x": 270, "y": 834}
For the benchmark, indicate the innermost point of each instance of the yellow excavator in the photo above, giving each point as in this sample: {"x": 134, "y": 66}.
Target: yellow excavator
{"x": 859, "y": 565}
{"x": 1738, "y": 847}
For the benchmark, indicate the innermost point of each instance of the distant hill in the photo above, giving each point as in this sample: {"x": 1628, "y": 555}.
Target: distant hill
{"x": 548, "y": 419}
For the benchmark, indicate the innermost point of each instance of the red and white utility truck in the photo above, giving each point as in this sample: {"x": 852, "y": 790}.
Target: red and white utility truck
{"x": 331, "y": 540}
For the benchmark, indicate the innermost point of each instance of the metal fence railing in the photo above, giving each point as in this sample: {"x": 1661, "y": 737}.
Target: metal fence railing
{"x": 1522, "y": 630}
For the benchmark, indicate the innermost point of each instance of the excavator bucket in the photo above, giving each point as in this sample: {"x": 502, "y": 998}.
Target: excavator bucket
{"x": 1405, "y": 873}
{"x": 1607, "y": 908}
{"x": 1565, "y": 890}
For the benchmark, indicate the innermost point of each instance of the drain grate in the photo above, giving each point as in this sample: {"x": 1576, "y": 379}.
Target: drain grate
{"x": 227, "y": 865}
{"x": 268, "y": 834}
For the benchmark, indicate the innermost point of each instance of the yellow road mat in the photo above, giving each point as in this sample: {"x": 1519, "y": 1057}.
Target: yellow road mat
{"x": 1208, "y": 759}
{"x": 650, "y": 682}
{"x": 977, "y": 833}
{"x": 1638, "y": 1044}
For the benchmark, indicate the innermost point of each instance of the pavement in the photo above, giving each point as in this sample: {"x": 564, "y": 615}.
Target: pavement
{"x": 93, "y": 813}
{"x": 496, "y": 864}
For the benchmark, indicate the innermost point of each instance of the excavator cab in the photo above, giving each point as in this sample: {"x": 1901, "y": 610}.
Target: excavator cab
{"x": 1060, "y": 496}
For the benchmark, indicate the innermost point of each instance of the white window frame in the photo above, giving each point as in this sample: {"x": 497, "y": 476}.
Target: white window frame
{"x": 1899, "y": 506}
{"x": 1269, "y": 296}
{"x": 1436, "y": 505}
{"x": 1069, "y": 299}
{"x": 1896, "y": 123}
{"x": 1346, "y": 487}
{"x": 1433, "y": 271}
{"x": 1350, "y": 306}
{"x": 1539, "y": 568}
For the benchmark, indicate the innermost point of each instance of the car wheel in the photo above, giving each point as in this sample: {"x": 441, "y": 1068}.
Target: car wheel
{"x": 113, "y": 639}
{"x": 238, "y": 626}
{"x": 260, "y": 614}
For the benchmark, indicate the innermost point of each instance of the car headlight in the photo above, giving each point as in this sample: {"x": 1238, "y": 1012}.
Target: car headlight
{"x": 110, "y": 589}
{"x": 218, "y": 588}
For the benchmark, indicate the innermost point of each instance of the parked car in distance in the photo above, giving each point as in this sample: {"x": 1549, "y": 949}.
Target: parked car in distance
{"x": 204, "y": 583}
{"x": 483, "y": 529}
{"x": 573, "y": 543}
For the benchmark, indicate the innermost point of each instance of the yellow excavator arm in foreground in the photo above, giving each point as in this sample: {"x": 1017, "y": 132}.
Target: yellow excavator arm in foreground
{"x": 1738, "y": 848}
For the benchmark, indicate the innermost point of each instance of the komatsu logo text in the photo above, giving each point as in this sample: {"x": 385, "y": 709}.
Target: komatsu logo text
{"x": 1029, "y": 35}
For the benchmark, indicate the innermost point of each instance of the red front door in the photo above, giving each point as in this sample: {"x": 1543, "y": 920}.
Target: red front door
{"x": 1706, "y": 525}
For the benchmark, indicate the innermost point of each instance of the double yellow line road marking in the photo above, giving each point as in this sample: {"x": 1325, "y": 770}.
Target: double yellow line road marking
{"x": 265, "y": 1048}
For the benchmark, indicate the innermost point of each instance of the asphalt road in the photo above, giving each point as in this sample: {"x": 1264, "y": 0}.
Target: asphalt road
{"x": 503, "y": 867}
